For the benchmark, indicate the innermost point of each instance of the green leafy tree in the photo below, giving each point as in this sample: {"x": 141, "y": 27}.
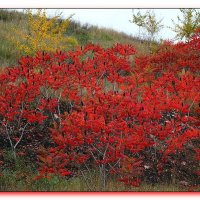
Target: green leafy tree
{"x": 148, "y": 22}
{"x": 186, "y": 24}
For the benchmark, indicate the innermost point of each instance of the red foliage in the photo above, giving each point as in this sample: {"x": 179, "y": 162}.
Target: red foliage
{"x": 107, "y": 105}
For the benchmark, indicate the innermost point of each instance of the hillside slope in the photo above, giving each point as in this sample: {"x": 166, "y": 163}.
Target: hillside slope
{"x": 83, "y": 33}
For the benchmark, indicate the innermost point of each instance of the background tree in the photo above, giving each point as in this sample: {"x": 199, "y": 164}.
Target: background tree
{"x": 149, "y": 23}
{"x": 187, "y": 24}
{"x": 43, "y": 34}
{"x": 139, "y": 20}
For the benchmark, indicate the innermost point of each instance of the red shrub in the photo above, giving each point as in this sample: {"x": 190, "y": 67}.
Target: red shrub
{"x": 103, "y": 108}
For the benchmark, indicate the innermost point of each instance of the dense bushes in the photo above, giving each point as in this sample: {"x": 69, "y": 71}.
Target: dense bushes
{"x": 133, "y": 118}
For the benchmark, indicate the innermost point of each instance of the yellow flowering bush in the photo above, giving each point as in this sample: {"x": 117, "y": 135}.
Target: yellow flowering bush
{"x": 43, "y": 34}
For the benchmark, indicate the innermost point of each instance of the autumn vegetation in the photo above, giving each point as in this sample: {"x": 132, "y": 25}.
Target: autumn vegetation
{"x": 103, "y": 115}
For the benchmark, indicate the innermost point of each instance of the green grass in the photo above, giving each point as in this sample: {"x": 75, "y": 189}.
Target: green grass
{"x": 8, "y": 52}
{"x": 19, "y": 176}
{"x": 104, "y": 36}
{"x": 15, "y": 181}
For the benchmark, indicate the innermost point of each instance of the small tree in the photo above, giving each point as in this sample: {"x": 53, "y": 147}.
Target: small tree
{"x": 148, "y": 22}
{"x": 186, "y": 24}
{"x": 139, "y": 20}
{"x": 43, "y": 34}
